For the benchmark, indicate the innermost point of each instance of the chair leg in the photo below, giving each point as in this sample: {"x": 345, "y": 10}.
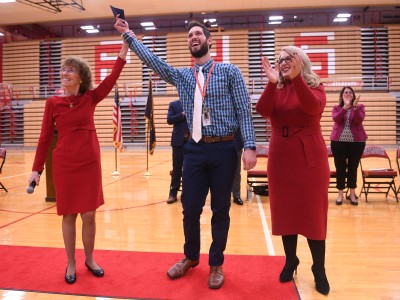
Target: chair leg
{"x": 249, "y": 192}
{"x": 3, "y": 187}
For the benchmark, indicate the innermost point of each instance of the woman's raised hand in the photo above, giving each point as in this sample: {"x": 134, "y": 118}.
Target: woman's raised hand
{"x": 271, "y": 73}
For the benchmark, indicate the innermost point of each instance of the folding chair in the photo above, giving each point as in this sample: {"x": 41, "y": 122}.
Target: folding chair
{"x": 258, "y": 178}
{"x": 3, "y": 153}
{"x": 332, "y": 180}
{"x": 398, "y": 164}
{"x": 380, "y": 175}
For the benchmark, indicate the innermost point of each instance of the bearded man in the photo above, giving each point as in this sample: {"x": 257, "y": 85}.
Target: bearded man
{"x": 215, "y": 99}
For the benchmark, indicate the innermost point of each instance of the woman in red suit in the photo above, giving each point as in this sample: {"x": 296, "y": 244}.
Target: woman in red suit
{"x": 347, "y": 141}
{"x": 76, "y": 157}
{"x": 298, "y": 170}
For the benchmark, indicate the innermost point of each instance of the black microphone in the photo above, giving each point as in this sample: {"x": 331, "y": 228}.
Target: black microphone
{"x": 32, "y": 185}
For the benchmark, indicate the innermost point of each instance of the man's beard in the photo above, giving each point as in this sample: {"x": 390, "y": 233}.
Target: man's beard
{"x": 201, "y": 52}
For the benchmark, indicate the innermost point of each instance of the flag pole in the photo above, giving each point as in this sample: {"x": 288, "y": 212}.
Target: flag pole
{"x": 116, "y": 173}
{"x": 147, "y": 173}
{"x": 117, "y": 129}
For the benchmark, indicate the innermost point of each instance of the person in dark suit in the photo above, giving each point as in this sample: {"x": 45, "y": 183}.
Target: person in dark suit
{"x": 180, "y": 134}
{"x": 239, "y": 144}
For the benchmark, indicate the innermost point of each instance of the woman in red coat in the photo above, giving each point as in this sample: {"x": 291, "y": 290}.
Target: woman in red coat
{"x": 298, "y": 170}
{"x": 76, "y": 158}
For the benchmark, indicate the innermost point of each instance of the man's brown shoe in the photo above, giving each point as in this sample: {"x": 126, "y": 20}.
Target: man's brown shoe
{"x": 181, "y": 267}
{"x": 172, "y": 199}
{"x": 216, "y": 279}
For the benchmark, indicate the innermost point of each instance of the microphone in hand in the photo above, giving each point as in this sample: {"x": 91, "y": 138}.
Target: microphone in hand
{"x": 31, "y": 187}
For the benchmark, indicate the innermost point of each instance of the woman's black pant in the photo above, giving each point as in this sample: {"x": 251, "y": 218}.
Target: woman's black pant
{"x": 347, "y": 156}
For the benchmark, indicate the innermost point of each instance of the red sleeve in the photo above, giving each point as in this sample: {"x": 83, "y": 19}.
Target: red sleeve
{"x": 46, "y": 136}
{"x": 311, "y": 100}
{"x": 266, "y": 102}
{"x": 108, "y": 83}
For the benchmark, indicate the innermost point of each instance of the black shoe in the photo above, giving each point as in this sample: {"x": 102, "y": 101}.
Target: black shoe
{"x": 351, "y": 201}
{"x": 172, "y": 199}
{"x": 339, "y": 202}
{"x": 237, "y": 200}
{"x": 321, "y": 282}
{"x": 70, "y": 278}
{"x": 97, "y": 273}
{"x": 287, "y": 271}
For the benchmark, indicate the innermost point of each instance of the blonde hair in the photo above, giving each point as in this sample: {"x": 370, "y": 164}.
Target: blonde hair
{"x": 83, "y": 69}
{"x": 309, "y": 76}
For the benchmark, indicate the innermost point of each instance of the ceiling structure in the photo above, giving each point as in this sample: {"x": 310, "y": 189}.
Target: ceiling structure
{"x": 39, "y": 19}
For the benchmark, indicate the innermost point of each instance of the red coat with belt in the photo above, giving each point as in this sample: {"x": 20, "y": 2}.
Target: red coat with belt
{"x": 298, "y": 169}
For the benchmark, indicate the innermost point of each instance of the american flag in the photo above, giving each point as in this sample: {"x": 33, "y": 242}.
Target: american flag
{"x": 117, "y": 122}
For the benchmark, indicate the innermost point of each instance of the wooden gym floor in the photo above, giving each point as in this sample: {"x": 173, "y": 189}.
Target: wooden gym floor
{"x": 363, "y": 243}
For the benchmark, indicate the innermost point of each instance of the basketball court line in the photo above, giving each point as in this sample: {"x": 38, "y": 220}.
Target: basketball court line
{"x": 267, "y": 232}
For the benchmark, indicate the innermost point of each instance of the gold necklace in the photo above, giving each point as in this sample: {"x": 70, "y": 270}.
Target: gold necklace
{"x": 69, "y": 101}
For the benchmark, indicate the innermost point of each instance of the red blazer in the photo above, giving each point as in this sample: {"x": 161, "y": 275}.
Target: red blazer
{"x": 356, "y": 118}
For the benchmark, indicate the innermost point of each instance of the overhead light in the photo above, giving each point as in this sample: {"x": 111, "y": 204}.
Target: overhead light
{"x": 345, "y": 15}
{"x": 7, "y": 1}
{"x": 210, "y": 20}
{"x": 87, "y": 27}
{"x": 92, "y": 30}
{"x": 275, "y": 18}
{"x": 1, "y": 34}
{"x": 150, "y": 28}
{"x": 147, "y": 24}
{"x": 275, "y": 22}
{"x": 340, "y": 20}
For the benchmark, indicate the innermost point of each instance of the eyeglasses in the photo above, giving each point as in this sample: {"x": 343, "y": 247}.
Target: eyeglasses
{"x": 68, "y": 71}
{"x": 287, "y": 59}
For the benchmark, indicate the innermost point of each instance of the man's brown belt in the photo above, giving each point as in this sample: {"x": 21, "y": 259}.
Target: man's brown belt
{"x": 216, "y": 139}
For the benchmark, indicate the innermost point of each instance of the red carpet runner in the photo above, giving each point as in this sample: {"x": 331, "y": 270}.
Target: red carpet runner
{"x": 141, "y": 275}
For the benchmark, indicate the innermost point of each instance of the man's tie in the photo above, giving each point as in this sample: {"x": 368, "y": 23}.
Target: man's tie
{"x": 198, "y": 99}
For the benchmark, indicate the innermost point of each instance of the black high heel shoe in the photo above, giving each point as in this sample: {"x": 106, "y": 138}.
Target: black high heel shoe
{"x": 321, "y": 282}
{"x": 97, "y": 273}
{"x": 69, "y": 278}
{"x": 287, "y": 272}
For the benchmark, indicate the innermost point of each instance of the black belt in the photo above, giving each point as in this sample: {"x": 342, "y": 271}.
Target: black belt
{"x": 216, "y": 139}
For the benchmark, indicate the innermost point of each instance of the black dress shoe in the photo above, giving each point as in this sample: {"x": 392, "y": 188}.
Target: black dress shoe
{"x": 172, "y": 199}
{"x": 237, "y": 200}
{"x": 70, "y": 278}
{"x": 97, "y": 273}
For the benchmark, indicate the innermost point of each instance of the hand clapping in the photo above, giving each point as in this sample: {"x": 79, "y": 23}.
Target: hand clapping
{"x": 271, "y": 73}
